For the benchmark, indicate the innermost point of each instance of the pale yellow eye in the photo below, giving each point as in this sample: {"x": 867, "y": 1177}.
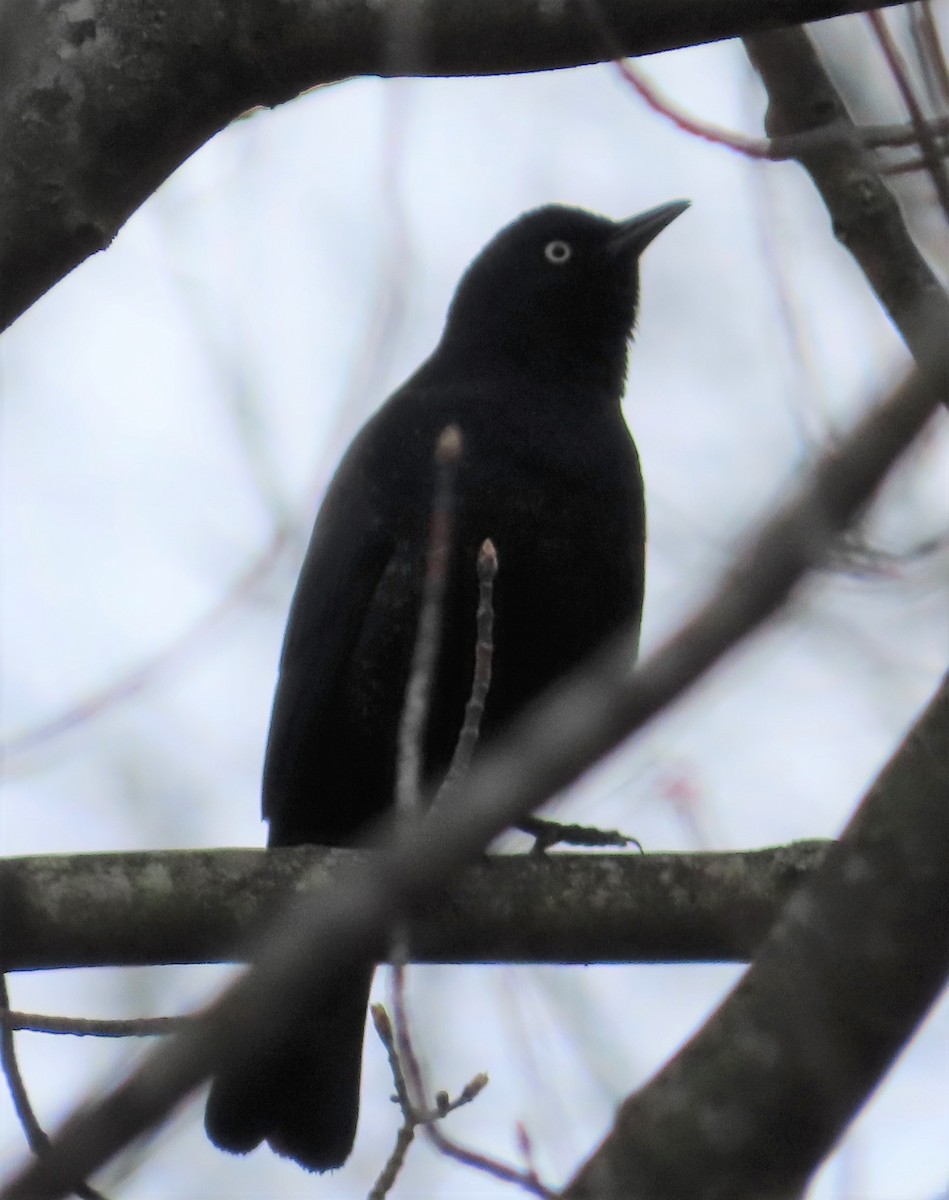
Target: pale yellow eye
{"x": 558, "y": 252}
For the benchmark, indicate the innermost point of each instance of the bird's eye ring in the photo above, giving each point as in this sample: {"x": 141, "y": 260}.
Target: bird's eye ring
{"x": 558, "y": 252}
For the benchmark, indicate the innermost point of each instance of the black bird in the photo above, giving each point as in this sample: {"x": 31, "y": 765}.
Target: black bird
{"x": 531, "y": 367}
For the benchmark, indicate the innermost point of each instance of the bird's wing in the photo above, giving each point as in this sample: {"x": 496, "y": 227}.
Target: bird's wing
{"x": 348, "y": 551}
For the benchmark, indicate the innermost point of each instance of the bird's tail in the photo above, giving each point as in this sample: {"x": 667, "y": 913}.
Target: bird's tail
{"x": 300, "y": 1087}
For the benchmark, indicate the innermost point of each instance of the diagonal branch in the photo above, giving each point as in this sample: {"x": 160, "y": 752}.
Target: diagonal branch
{"x": 753, "y": 1103}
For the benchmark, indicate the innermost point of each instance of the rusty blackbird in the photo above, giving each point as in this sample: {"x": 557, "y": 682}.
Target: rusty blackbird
{"x": 531, "y": 367}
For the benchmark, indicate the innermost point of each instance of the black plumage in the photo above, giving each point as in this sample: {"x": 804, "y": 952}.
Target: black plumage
{"x": 531, "y": 367}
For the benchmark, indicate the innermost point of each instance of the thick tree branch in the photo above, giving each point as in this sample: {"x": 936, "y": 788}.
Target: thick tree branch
{"x": 100, "y": 102}
{"x": 195, "y": 906}
{"x": 750, "y": 1107}
{"x": 541, "y": 752}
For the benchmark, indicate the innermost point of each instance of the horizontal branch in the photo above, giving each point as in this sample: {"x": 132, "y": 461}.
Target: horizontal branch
{"x": 194, "y": 906}
{"x": 99, "y": 103}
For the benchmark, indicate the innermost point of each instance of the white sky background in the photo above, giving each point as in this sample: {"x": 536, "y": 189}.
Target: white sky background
{"x": 166, "y": 404}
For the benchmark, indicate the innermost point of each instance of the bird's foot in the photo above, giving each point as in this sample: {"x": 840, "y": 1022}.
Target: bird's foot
{"x": 547, "y": 834}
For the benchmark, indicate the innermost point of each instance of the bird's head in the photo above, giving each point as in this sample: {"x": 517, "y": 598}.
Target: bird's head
{"x": 556, "y": 292}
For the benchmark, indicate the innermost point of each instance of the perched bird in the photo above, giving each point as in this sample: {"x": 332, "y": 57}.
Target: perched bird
{"x": 531, "y": 368}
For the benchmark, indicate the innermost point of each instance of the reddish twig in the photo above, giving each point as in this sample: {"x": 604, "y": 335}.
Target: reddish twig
{"x": 757, "y": 148}
{"x": 776, "y": 149}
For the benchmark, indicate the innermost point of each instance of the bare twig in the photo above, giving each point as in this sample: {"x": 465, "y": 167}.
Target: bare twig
{"x": 412, "y": 726}
{"x": 92, "y": 1027}
{"x": 909, "y": 165}
{"x": 35, "y": 1134}
{"x": 416, "y": 1095}
{"x": 931, "y": 152}
{"x": 525, "y": 1179}
{"x": 412, "y": 1117}
{"x": 414, "y": 1090}
{"x": 481, "y": 678}
{"x": 865, "y": 214}
{"x": 539, "y": 753}
{"x": 931, "y": 52}
{"x": 750, "y": 147}
{"x": 410, "y": 763}
{"x": 781, "y": 147}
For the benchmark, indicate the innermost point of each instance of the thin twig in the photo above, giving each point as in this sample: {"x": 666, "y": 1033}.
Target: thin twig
{"x": 410, "y": 765}
{"x": 428, "y": 637}
{"x": 527, "y": 1180}
{"x": 481, "y": 678}
{"x": 412, "y": 1069}
{"x": 36, "y": 1136}
{"x": 783, "y": 147}
{"x": 640, "y": 82}
{"x": 406, "y": 1135}
{"x": 412, "y": 1115}
{"x": 92, "y": 1027}
{"x": 416, "y": 1092}
{"x": 900, "y": 73}
{"x": 909, "y": 165}
{"x": 933, "y": 55}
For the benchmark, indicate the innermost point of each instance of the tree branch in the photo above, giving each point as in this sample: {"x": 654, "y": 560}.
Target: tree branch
{"x": 864, "y": 211}
{"x": 753, "y": 1103}
{"x": 99, "y": 106}
{"x": 192, "y": 906}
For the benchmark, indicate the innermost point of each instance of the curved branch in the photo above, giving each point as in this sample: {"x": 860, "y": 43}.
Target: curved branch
{"x": 101, "y": 100}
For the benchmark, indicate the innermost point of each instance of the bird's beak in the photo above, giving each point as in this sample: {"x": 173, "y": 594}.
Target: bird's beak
{"x": 633, "y": 236}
